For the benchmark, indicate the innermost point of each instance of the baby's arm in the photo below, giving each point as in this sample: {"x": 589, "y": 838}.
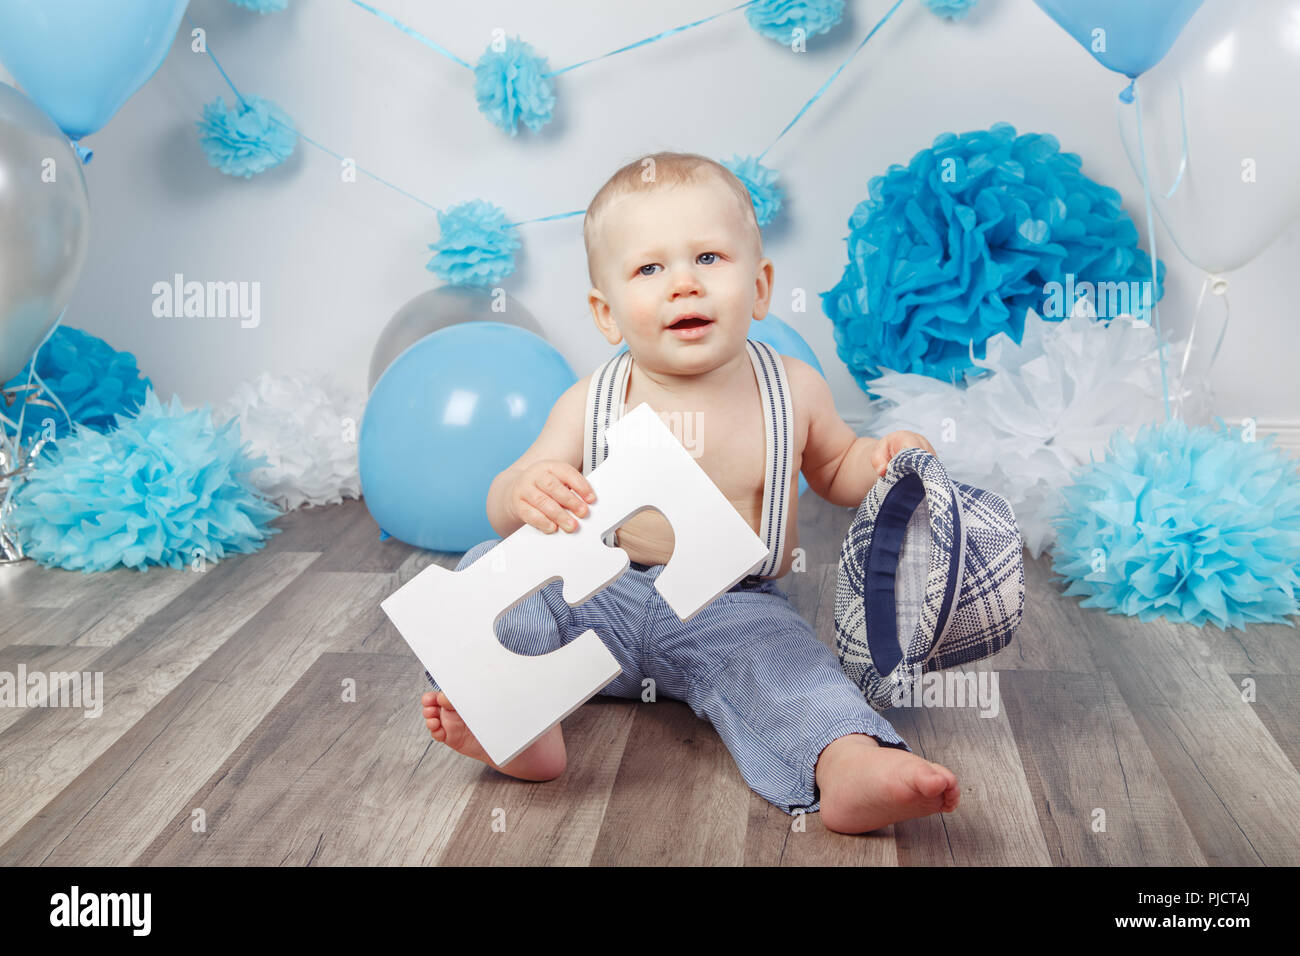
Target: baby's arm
{"x": 560, "y": 440}
{"x": 840, "y": 465}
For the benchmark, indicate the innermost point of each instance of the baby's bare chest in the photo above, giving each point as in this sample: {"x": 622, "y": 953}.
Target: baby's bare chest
{"x": 727, "y": 440}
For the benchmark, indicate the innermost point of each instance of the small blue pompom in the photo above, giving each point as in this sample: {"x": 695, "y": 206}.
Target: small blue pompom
{"x": 247, "y": 139}
{"x": 761, "y": 183}
{"x": 261, "y": 6}
{"x": 958, "y": 245}
{"x": 94, "y": 381}
{"x": 476, "y": 245}
{"x": 950, "y": 9}
{"x": 1193, "y": 524}
{"x": 164, "y": 487}
{"x": 512, "y": 87}
{"x": 778, "y": 19}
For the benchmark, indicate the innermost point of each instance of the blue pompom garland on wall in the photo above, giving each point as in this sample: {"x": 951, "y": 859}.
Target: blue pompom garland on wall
{"x": 512, "y": 87}
{"x": 475, "y": 246}
{"x": 778, "y": 19}
{"x": 251, "y": 137}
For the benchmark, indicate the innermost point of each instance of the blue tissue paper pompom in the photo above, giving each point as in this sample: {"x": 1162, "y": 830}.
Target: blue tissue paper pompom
{"x": 761, "y": 183}
{"x": 261, "y": 6}
{"x": 94, "y": 381}
{"x": 778, "y": 19}
{"x": 950, "y": 9}
{"x": 164, "y": 487}
{"x": 512, "y": 87}
{"x": 1193, "y": 524}
{"x": 247, "y": 139}
{"x": 476, "y": 246}
{"x": 955, "y": 247}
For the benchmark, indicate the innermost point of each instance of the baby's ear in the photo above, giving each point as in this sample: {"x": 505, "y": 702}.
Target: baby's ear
{"x": 603, "y": 317}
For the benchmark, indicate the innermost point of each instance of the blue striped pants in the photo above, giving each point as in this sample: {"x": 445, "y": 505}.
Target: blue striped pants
{"x": 747, "y": 661}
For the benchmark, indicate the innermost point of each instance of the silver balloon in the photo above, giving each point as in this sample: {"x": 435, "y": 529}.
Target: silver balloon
{"x": 438, "y": 308}
{"x": 44, "y": 227}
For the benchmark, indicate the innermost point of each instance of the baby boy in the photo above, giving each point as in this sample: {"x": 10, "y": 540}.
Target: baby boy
{"x": 677, "y": 271}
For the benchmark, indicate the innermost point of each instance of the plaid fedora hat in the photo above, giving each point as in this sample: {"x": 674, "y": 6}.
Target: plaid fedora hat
{"x": 931, "y": 576}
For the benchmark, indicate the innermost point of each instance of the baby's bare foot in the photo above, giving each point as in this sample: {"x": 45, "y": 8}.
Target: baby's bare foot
{"x": 544, "y": 759}
{"x": 865, "y": 786}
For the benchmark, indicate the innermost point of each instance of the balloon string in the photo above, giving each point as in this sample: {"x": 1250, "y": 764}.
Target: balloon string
{"x": 13, "y": 449}
{"x": 1151, "y": 251}
{"x": 1119, "y": 119}
{"x": 1219, "y": 287}
{"x": 1182, "y": 164}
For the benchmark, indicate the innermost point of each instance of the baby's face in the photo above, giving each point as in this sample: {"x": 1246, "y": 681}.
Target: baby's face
{"x": 672, "y": 252}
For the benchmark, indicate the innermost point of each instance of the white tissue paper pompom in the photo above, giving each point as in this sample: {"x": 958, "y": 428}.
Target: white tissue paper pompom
{"x": 307, "y": 428}
{"x": 1049, "y": 405}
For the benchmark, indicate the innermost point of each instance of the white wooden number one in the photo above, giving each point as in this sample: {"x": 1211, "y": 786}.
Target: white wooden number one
{"x": 448, "y": 617}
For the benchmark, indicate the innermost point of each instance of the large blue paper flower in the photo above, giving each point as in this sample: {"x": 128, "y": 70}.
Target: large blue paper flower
{"x": 778, "y": 19}
{"x": 950, "y": 9}
{"x": 765, "y": 194}
{"x": 163, "y": 487}
{"x": 247, "y": 139}
{"x": 1194, "y": 524}
{"x": 512, "y": 87}
{"x": 476, "y": 246}
{"x": 957, "y": 245}
{"x": 94, "y": 381}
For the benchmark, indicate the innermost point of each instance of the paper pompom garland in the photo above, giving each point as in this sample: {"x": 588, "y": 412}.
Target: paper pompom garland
{"x": 94, "y": 381}
{"x": 164, "y": 487}
{"x": 513, "y": 86}
{"x": 1193, "y": 524}
{"x": 950, "y": 9}
{"x": 307, "y": 433}
{"x": 475, "y": 245}
{"x": 959, "y": 244}
{"x": 249, "y": 138}
{"x": 764, "y": 193}
{"x": 779, "y": 19}
{"x": 261, "y": 6}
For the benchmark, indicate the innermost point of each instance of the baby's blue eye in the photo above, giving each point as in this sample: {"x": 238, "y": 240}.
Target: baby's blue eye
{"x": 648, "y": 265}
{"x": 703, "y": 254}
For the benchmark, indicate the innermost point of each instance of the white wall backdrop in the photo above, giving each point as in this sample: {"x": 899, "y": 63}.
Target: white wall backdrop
{"x": 335, "y": 260}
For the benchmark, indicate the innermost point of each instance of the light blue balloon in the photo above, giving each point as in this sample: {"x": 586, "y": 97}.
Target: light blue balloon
{"x": 1134, "y": 34}
{"x": 787, "y": 342}
{"x": 80, "y": 60}
{"x": 447, "y": 416}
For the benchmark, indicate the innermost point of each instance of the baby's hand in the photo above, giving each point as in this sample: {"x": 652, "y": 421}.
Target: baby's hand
{"x": 889, "y": 446}
{"x": 544, "y": 490}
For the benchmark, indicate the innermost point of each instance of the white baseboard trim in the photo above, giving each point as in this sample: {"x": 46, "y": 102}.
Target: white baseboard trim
{"x": 1287, "y": 432}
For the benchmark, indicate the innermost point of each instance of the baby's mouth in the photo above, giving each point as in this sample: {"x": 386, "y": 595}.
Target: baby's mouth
{"x": 690, "y": 322}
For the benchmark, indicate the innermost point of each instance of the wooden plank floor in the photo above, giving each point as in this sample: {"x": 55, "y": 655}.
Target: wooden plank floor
{"x": 226, "y": 736}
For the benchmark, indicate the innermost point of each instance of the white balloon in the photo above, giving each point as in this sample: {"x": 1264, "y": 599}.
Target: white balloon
{"x": 1238, "y": 65}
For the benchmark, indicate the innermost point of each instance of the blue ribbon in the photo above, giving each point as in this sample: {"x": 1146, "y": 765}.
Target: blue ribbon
{"x": 414, "y": 34}
{"x": 816, "y": 96}
{"x": 657, "y": 36}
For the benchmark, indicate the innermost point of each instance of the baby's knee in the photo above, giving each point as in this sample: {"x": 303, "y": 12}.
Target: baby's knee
{"x": 476, "y": 552}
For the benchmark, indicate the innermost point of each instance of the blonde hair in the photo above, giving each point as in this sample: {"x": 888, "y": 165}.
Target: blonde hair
{"x": 657, "y": 170}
